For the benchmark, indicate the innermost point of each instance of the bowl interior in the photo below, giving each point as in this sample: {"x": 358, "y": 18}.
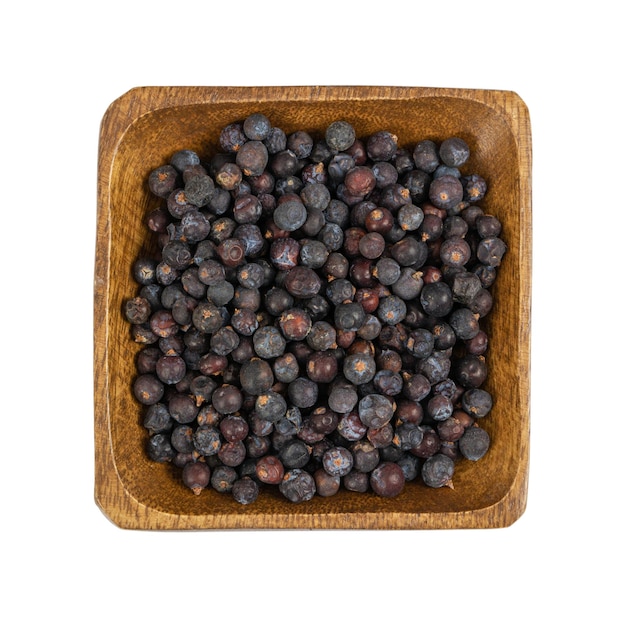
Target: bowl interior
{"x": 150, "y": 141}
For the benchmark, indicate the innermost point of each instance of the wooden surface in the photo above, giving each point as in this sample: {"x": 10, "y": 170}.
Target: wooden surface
{"x": 140, "y": 131}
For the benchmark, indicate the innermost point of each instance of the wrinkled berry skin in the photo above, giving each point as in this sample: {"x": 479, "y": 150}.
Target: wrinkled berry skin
{"x": 298, "y": 486}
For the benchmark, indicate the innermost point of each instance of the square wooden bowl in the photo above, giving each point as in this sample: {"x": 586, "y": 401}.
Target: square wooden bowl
{"x": 140, "y": 131}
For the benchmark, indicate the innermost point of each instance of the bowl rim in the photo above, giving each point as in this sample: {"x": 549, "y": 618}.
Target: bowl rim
{"x": 110, "y": 493}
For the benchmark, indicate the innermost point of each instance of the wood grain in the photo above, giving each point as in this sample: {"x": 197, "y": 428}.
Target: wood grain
{"x": 140, "y": 131}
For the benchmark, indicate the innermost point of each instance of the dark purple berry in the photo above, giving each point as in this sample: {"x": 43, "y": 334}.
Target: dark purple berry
{"x": 437, "y": 471}
{"x": 387, "y": 480}
{"x": 245, "y": 490}
{"x": 474, "y": 444}
{"x": 454, "y": 151}
{"x": 196, "y": 476}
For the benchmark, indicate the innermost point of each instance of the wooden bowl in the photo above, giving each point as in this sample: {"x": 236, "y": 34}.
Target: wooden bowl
{"x": 140, "y": 131}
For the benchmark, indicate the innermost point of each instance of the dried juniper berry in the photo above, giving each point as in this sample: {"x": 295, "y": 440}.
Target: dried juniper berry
{"x": 323, "y": 420}
{"x": 171, "y": 369}
{"x": 409, "y": 411}
{"x": 332, "y": 236}
{"x": 410, "y": 251}
{"x": 181, "y": 438}
{"x": 464, "y": 285}
{"x": 144, "y": 271}
{"x": 257, "y": 446}
{"x": 313, "y": 253}
{"x": 303, "y": 392}
{"x": 340, "y": 290}
{"x": 137, "y": 310}
{"x": 474, "y": 443}
{"x": 482, "y": 303}
{"x": 245, "y": 490}
{"x": 227, "y": 399}
{"x": 207, "y": 440}
{"x": 244, "y": 322}
{"x": 257, "y": 127}
{"x": 387, "y": 271}
{"x": 446, "y": 170}
{"x": 359, "y": 369}
{"x": 183, "y": 407}
{"x": 300, "y": 143}
{"x": 375, "y": 410}
{"x": 435, "y": 367}
{"x": 431, "y": 228}
{"x": 232, "y": 453}
{"x": 426, "y": 156}
{"x": 148, "y": 389}
{"x": 297, "y": 485}
{"x": 199, "y": 189}
{"x": 290, "y": 215}
{"x": 206, "y": 317}
{"x": 474, "y": 188}
{"x": 340, "y": 135}
{"x": 234, "y": 428}
{"x": 247, "y": 209}
{"x": 184, "y": 159}
{"x": 295, "y": 324}
{"x": 454, "y": 151}
{"x": 268, "y": 342}
{"x": 409, "y": 284}
{"x": 491, "y": 250}
{"x": 270, "y": 406}
{"x": 322, "y": 366}
{"x": 365, "y": 456}
{"x": 429, "y": 445}
{"x": 256, "y": 376}
{"x": 410, "y": 217}
{"x": 315, "y": 197}
{"x": 470, "y": 371}
{"x": 416, "y": 387}
{"x": 294, "y": 454}
{"x": 408, "y": 435}
{"x": 477, "y": 402}
{"x": 464, "y": 322}
{"x": 372, "y": 245}
{"x": 436, "y": 299}
{"x": 202, "y": 387}
{"x": 391, "y": 310}
{"x": 286, "y": 368}
{"x": 445, "y": 192}
{"x": 302, "y": 282}
{"x": 455, "y": 252}
{"x": 252, "y": 158}
{"x": 163, "y": 180}
{"x": 325, "y": 484}
{"x": 159, "y": 448}
{"x": 437, "y": 471}
{"x": 337, "y": 461}
{"x": 276, "y": 140}
{"x": 451, "y": 429}
{"x": 381, "y": 146}
{"x": 420, "y": 343}
{"x": 157, "y": 418}
{"x": 356, "y": 481}
{"x": 387, "y": 480}
{"x": 270, "y": 470}
{"x": 478, "y": 344}
{"x": 223, "y": 478}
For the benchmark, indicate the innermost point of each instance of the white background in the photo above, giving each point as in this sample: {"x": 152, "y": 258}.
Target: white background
{"x": 63, "y": 64}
